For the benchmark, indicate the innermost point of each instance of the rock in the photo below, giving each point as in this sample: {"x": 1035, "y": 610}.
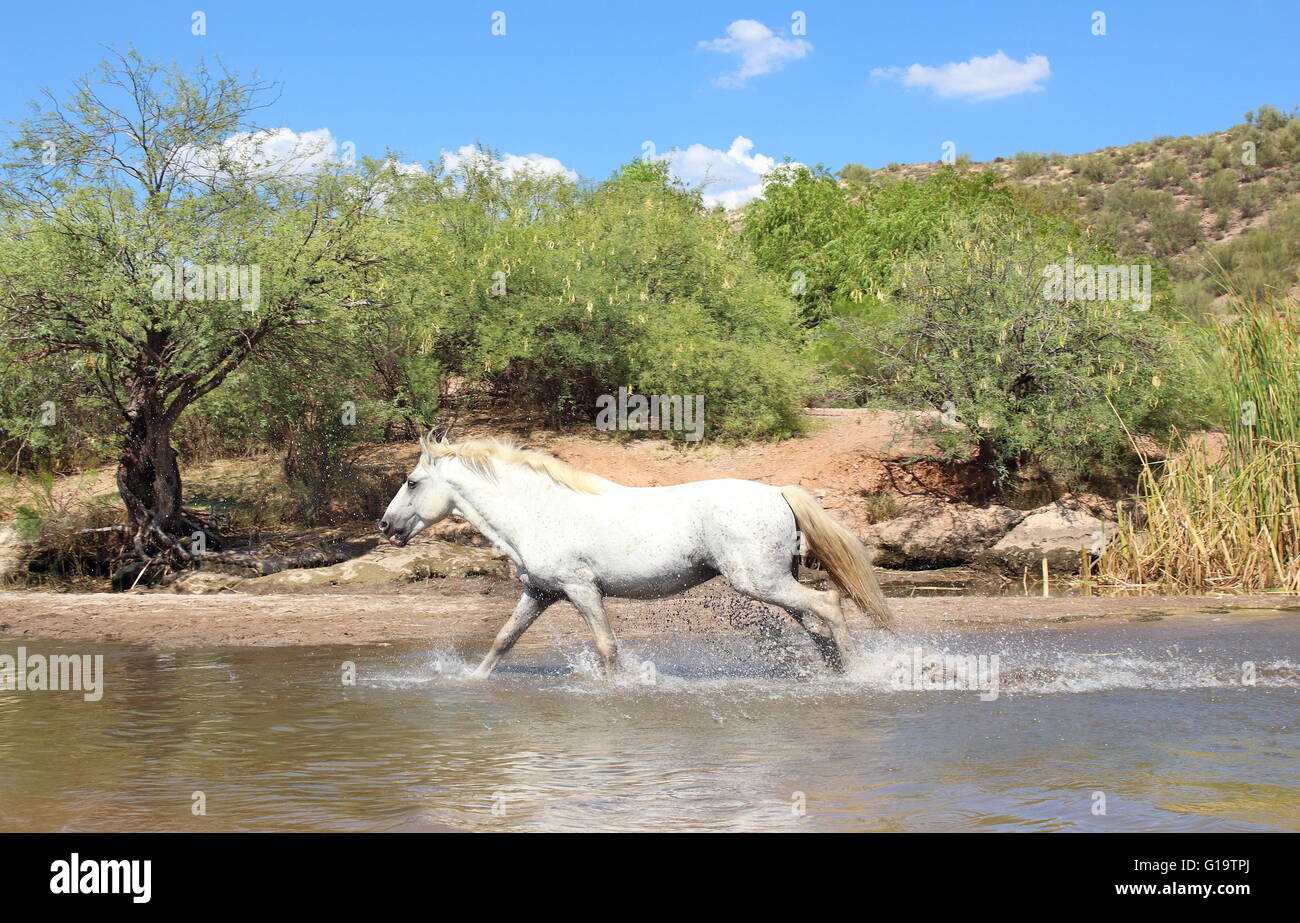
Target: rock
{"x": 205, "y": 582}
{"x": 15, "y": 549}
{"x": 1055, "y": 532}
{"x": 384, "y": 564}
{"x": 256, "y": 564}
{"x": 458, "y": 532}
{"x": 387, "y": 564}
{"x": 942, "y": 535}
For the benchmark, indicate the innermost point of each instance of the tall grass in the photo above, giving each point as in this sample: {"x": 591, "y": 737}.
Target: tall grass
{"x": 1225, "y": 515}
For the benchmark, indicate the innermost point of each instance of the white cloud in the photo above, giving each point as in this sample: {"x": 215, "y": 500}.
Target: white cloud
{"x": 511, "y": 164}
{"x": 760, "y": 50}
{"x": 405, "y": 169}
{"x": 979, "y": 78}
{"x": 276, "y": 151}
{"x": 299, "y": 153}
{"x": 729, "y": 178}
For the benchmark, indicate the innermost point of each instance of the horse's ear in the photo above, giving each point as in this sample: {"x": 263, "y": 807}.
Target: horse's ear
{"x": 426, "y": 457}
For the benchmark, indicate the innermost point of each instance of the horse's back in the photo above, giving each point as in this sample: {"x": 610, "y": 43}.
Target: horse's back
{"x": 721, "y": 521}
{"x": 646, "y": 542}
{"x": 721, "y": 502}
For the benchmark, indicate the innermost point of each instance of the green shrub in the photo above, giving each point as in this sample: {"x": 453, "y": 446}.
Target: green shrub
{"x": 1097, "y": 168}
{"x": 1251, "y": 201}
{"x": 855, "y": 173}
{"x": 845, "y": 244}
{"x": 551, "y": 296}
{"x": 1261, "y": 262}
{"x": 1033, "y": 380}
{"x": 1173, "y": 230}
{"x": 1028, "y": 164}
{"x": 51, "y": 417}
{"x": 1219, "y": 192}
{"x": 1166, "y": 171}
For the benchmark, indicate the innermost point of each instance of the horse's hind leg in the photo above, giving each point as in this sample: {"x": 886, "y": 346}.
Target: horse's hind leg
{"x": 588, "y": 602}
{"x": 531, "y": 605}
{"x": 817, "y": 612}
{"x": 830, "y": 617}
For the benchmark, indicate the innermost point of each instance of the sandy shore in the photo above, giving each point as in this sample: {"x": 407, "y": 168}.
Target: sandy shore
{"x": 466, "y": 613}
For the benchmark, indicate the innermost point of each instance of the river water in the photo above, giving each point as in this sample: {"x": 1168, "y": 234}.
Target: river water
{"x": 1185, "y": 723}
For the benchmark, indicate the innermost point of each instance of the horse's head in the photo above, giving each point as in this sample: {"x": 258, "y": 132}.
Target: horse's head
{"x": 424, "y": 499}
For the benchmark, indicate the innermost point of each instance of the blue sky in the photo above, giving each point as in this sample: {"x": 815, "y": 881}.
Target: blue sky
{"x": 588, "y": 83}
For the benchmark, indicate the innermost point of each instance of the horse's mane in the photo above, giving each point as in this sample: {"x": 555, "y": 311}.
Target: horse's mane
{"x": 483, "y": 455}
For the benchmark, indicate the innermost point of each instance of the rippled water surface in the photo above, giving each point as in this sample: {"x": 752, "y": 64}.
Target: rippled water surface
{"x": 1158, "y": 723}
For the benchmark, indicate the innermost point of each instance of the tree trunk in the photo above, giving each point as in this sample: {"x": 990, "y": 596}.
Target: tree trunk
{"x": 149, "y": 480}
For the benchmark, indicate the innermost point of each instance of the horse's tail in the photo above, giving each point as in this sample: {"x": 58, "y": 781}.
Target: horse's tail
{"x": 845, "y": 558}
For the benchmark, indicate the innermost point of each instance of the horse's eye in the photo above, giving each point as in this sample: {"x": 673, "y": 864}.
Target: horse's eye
{"x": 411, "y": 485}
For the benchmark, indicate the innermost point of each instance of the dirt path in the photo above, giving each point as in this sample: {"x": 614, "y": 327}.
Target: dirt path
{"x": 467, "y": 613}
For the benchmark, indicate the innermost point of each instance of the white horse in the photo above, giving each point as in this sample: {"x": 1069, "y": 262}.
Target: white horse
{"x": 575, "y": 535}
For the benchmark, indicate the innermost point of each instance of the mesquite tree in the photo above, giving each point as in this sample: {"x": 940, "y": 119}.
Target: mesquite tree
{"x": 150, "y": 229}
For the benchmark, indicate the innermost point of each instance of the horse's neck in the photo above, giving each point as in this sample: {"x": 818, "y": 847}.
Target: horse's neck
{"x": 494, "y": 507}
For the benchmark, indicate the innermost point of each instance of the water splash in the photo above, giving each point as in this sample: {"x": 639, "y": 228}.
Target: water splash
{"x": 1034, "y": 663}
{"x": 431, "y": 667}
{"x": 1023, "y": 663}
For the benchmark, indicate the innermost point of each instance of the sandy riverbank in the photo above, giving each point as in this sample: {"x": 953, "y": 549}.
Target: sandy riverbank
{"x": 466, "y": 613}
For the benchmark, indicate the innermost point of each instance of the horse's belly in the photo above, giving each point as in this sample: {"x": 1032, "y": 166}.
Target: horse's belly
{"x": 655, "y": 585}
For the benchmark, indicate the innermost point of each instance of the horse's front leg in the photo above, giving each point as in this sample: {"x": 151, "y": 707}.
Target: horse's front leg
{"x": 588, "y": 601}
{"x": 531, "y": 605}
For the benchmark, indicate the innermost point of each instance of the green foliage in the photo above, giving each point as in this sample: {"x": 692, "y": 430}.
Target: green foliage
{"x": 1266, "y": 118}
{"x": 1096, "y": 168}
{"x": 1219, "y": 192}
{"x": 1137, "y": 196}
{"x": 1165, "y": 170}
{"x": 1258, "y": 264}
{"x": 855, "y": 173}
{"x": 1146, "y": 220}
{"x": 69, "y": 531}
{"x": 931, "y": 292}
{"x": 1172, "y": 230}
{"x": 144, "y": 189}
{"x": 51, "y": 416}
{"x": 553, "y": 295}
{"x": 1032, "y": 379}
{"x": 1228, "y": 520}
{"x": 879, "y": 506}
{"x": 1251, "y": 201}
{"x": 1029, "y": 164}
{"x": 844, "y": 241}
{"x": 317, "y": 405}
{"x": 31, "y": 518}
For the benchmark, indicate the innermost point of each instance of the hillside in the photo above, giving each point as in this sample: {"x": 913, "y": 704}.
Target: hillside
{"x": 1224, "y": 204}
